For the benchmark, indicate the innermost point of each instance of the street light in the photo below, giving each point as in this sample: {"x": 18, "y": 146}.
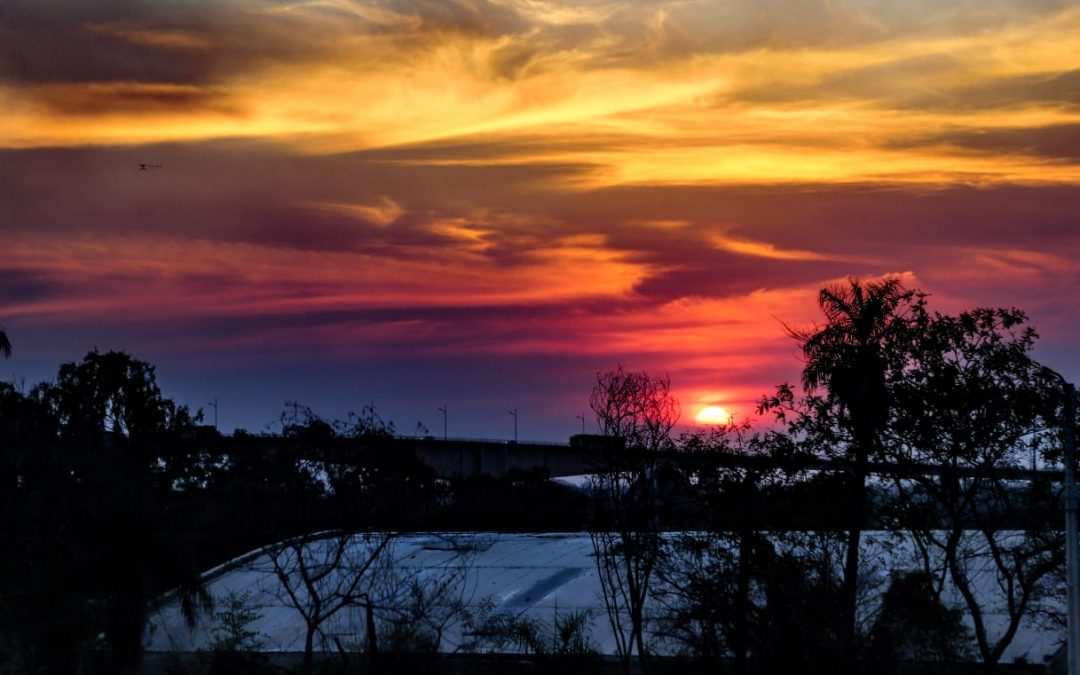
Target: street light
{"x": 582, "y": 418}
{"x": 1072, "y": 555}
{"x": 443, "y": 411}
{"x": 514, "y": 413}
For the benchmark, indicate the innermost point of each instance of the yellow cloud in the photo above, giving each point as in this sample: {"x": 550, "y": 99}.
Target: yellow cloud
{"x": 383, "y": 212}
{"x": 758, "y": 249}
{"x": 135, "y": 34}
{"x": 642, "y": 86}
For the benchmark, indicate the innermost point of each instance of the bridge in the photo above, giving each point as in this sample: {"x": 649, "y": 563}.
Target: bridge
{"x": 449, "y": 457}
{"x": 469, "y": 457}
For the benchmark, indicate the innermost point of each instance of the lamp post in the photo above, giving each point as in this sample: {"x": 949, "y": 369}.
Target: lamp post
{"x": 514, "y": 412}
{"x": 1072, "y": 555}
{"x": 582, "y": 418}
{"x": 443, "y": 411}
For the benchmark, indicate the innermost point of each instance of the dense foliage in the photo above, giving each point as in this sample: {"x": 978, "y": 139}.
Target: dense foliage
{"x": 112, "y": 495}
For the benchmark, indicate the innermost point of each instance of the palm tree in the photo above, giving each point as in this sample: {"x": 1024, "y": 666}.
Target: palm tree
{"x": 5, "y": 344}
{"x": 851, "y": 357}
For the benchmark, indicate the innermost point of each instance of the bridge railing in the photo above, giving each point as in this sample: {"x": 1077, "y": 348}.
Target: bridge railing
{"x": 494, "y": 441}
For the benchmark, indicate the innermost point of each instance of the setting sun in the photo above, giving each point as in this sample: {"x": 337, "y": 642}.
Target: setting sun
{"x": 713, "y": 414}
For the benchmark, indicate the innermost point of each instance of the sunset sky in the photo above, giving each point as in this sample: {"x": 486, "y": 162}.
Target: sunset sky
{"x": 481, "y": 203}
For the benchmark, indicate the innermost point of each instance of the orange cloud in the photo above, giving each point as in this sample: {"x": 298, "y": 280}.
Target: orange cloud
{"x": 657, "y": 183}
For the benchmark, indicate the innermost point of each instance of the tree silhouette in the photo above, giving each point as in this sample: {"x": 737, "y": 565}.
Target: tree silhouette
{"x": 5, "y": 345}
{"x": 914, "y": 624}
{"x": 636, "y": 407}
{"x": 850, "y": 357}
{"x": 92, "y": 461}
{"x": 974, "y": 402}
{"x": 625, "y": 525}
{"x": 324, "y": 573}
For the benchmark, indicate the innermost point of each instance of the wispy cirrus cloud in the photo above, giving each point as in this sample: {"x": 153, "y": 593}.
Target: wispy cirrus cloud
{"x": 526, "y": 181}
{"x": 642, "y": 92}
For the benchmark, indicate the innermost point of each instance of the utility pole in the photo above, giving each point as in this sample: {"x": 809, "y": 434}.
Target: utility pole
{"x": 582, "y": 418}
{"x": 514, "y": 413}
{"x": 213, "y": 404}
{"x": 443, "y": 411}
{"x": 1072, "y": 554}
